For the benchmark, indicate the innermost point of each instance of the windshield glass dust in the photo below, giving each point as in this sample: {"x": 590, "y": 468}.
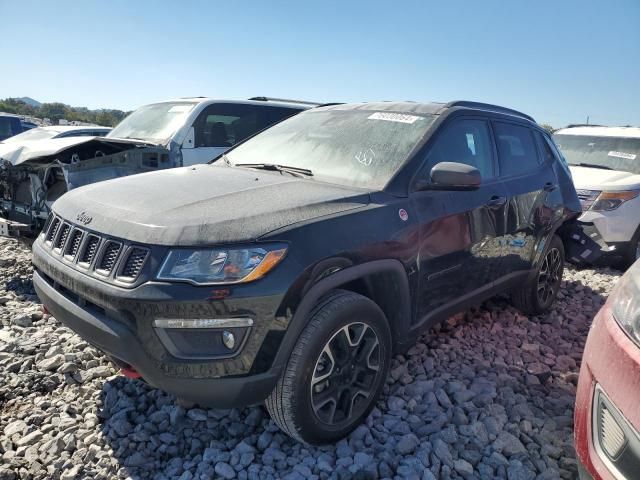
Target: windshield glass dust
{"x": 616, "y": 153}
{"x": 361, "y": 148}
{"x": 156, "y": 123}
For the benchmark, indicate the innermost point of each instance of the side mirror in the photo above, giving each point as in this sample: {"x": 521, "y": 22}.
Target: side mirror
{"x": 189, "y": 139}
{"x": 452, "y": 176}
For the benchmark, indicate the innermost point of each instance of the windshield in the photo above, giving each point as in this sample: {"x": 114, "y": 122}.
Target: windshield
{"x": 33, "y": 134}
{"x": 155, "y": 123}
{"x": 360, "y": 148}
{"x": 617, "y": 153}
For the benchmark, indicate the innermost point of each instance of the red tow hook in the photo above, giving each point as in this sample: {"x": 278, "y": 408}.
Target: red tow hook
{"x": 130, "y": 372}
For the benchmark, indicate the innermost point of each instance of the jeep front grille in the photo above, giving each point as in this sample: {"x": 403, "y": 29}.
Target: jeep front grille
{"x": 134, "y": 263}
{"x": 73, "y": 245}
{"x": 61, "y": 238}
{"x": 53, "y": 229}
{"x": 90, "y": 249}
{"x": 109, "y": 257}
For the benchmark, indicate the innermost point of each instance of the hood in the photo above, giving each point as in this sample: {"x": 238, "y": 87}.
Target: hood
{"x": 586, "y": 178}
{"x": 203, "y": 205}
{"x": 47, "y": 150}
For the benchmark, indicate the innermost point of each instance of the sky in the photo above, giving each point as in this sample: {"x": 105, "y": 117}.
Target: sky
{"x": 557, "y": 60}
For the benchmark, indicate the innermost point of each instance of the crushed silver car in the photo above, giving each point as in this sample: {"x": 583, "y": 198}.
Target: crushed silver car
{"x": 188, "y": 131}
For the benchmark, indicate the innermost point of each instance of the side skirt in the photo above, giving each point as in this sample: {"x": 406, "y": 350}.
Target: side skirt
{"x": 465, "y": 302}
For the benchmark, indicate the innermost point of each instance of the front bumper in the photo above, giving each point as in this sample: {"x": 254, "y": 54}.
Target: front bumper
{"x": 120, "y": 342}
{"x": 119, "y": 322}
{"x": 607, "y": 419}
{"x": 588, "y": 246}
{"x": 618, "y": 225}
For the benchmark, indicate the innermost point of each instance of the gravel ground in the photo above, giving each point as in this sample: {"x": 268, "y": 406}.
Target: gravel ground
{"x": 489, "y": 394}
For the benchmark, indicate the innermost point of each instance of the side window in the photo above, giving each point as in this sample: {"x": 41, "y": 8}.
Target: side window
{"x": 544, "y": 147}
{"x": 464, "y": 141}
{"x": 277, "y": 114}
{"x": 517, "y": 152}
{"x": 224, "y": 125}
{"x": 554, "y": 148}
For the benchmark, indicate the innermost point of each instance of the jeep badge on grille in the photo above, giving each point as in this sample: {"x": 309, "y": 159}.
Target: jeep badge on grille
{"x": 83, "y": 218}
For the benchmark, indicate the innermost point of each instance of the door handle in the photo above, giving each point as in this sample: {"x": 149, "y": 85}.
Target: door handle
{"x": 550, "y": 187}
{"x": 496, "y": 201}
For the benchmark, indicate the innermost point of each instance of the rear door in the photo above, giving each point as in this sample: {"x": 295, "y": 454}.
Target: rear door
{"x": 459, "y": 231}
{"x": 529, "y": 179}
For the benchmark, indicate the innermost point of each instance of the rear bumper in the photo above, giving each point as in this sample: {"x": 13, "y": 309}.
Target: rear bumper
{"x": 117, "y": 340}
{"x": 609, "y": 378}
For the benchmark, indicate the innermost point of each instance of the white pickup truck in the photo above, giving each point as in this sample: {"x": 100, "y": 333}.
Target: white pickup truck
{"x": 605, "y": 165}
{"x": 161, "y": 135}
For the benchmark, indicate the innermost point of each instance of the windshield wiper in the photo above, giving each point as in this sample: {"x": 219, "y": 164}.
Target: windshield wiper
{"x": 591, "y": 165}
{"x": 301, "y": 172}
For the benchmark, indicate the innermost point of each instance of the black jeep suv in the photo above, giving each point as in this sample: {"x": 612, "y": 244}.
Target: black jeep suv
{"x": 291, "y": 269}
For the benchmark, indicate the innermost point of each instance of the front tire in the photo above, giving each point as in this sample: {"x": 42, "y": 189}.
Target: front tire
{"x": 538, "y": 294}
{"x": 336, "y": 371}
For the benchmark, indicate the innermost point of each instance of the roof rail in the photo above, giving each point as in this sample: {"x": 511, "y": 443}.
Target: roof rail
{"x": 284, "y": 100}
{"x": 488, "y": 106}
{"x": 575, "y": 125}
{"x": 330, "y": 104}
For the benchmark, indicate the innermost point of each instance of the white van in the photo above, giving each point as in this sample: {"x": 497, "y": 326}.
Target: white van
{"x": 176, "y": 133}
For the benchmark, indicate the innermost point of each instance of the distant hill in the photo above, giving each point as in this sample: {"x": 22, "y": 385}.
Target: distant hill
{"x": 57, "y": 111}
{"x": 30, "y": 101}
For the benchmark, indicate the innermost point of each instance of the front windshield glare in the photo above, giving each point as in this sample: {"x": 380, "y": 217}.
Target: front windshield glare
{"x": 617, "y": 153}
{"x": 155, "y": 123}
{"x": 361, "y": 148}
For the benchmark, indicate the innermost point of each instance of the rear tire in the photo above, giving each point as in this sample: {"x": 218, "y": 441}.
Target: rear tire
{"x": 540, "y": 291}
{"x": 336, "y": 371}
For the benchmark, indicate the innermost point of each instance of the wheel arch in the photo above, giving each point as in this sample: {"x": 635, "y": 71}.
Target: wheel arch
{"x": 385, "y": 282}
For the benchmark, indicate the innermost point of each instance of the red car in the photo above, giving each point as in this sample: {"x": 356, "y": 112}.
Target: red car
{"x": 607, "y": 415}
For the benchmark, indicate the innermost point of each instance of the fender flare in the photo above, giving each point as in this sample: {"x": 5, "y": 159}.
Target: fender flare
{"x": 399, "y": 326}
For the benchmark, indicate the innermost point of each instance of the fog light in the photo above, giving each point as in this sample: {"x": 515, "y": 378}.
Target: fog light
{"x": 197, "y": 323}
{"x": 612, "y": 436}
{"x": 228, "y": 339}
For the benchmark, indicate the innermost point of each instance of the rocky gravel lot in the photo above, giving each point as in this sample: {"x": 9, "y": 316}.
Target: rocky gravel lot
{"x": 489, "y": 394}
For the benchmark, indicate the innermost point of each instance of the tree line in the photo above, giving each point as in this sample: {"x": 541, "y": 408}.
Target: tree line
{"x": 56, "y": 111}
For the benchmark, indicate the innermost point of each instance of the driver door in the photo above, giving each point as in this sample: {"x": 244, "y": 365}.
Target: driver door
{"x": 460, "y": 231}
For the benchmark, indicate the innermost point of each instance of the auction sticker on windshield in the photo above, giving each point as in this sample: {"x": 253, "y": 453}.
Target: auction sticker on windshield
{"x": 627, "y": 156}
{"x": 393, "y": 117}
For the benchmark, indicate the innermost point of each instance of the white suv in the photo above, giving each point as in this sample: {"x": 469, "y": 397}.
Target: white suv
{"x": 605, "y": 164}
{"x": 170, "y": 134}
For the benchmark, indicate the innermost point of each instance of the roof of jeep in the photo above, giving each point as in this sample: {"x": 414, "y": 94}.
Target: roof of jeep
{"x": 433, "y": 108}
{"x": 622, "y": 132}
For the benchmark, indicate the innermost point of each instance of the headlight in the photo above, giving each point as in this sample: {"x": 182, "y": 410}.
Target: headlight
{"x": 220, "y": 265}
{"x": 612, "y": 200}
{"x": 625, "y": 302}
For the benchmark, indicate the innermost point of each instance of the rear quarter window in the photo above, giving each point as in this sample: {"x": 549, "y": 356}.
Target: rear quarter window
{"x": 517, "y": 151}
